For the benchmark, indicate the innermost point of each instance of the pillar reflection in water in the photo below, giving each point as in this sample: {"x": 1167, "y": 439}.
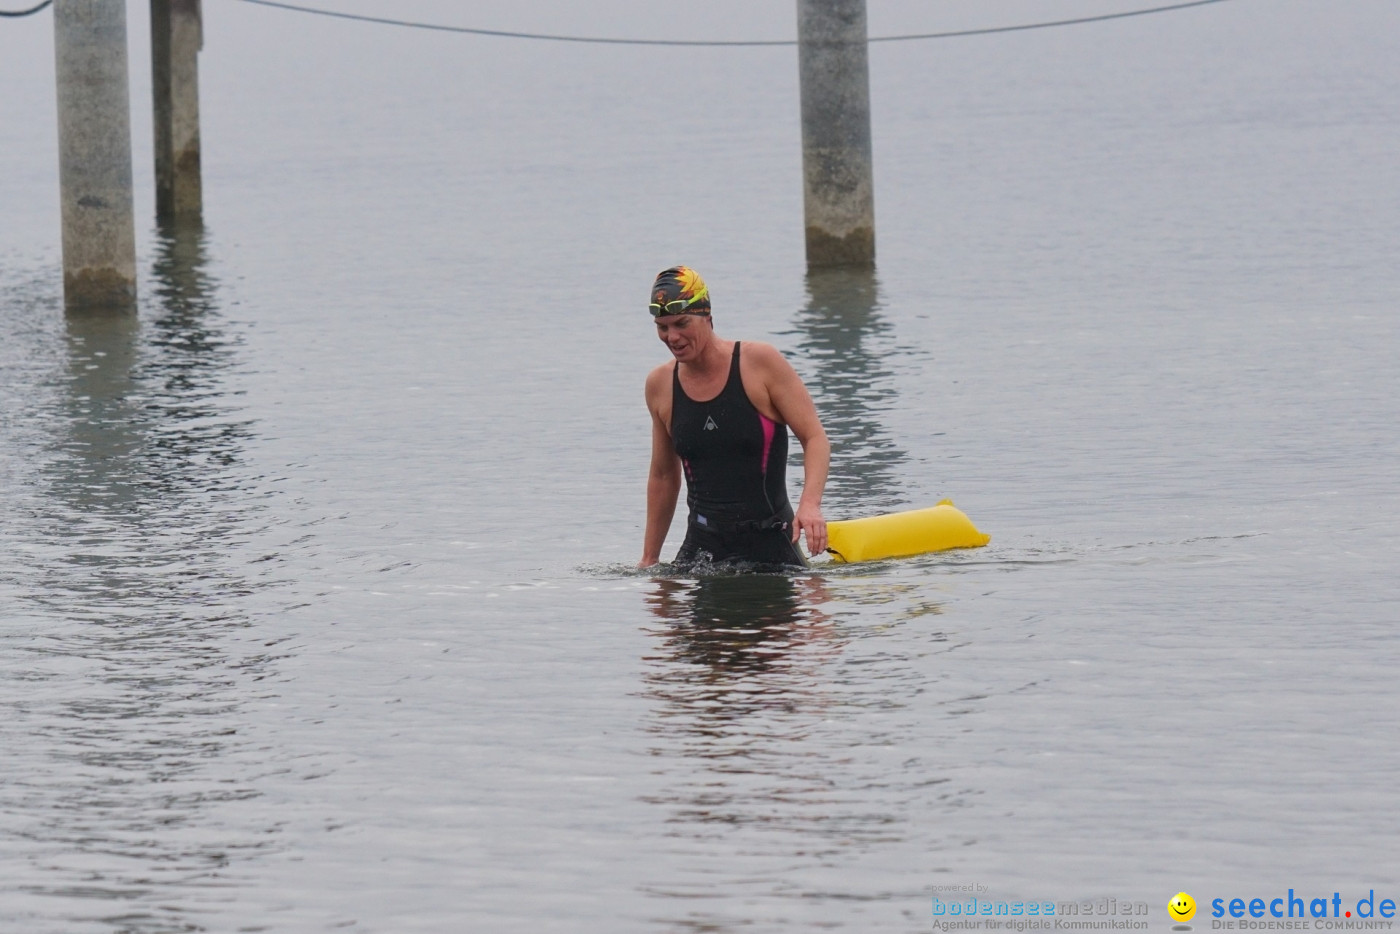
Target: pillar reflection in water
{"x": 843, "y": 347}
{"x": 203, "y": 434}
{"x": 127, "y": 776}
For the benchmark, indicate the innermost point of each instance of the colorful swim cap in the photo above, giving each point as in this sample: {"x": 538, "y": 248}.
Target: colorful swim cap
{"x": 679, "y": 291}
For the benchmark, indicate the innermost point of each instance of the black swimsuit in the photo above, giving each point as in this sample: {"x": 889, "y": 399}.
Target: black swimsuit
{"x": 735, "y": 462}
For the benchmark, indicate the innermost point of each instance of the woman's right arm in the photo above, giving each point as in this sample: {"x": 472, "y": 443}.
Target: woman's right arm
{"x": 663, "y": 484}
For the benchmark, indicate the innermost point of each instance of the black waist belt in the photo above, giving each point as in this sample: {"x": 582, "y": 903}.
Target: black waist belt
{"x": 739, "y": 525}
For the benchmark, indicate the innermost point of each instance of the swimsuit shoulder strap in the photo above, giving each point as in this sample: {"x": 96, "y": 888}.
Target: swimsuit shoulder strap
{"x": 734, "y": 386}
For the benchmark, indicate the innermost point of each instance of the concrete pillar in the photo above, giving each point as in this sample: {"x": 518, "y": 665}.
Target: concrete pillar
{"x": 177, "y": 35}
{"x": 94, "y": 154}
{"x": 839, "y": 191}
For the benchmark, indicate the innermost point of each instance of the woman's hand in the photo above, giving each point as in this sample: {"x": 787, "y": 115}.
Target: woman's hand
{"x": 809, "y": 519}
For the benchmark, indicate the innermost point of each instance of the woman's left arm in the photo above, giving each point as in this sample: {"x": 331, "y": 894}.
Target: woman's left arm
{"x": 794, "y": 406}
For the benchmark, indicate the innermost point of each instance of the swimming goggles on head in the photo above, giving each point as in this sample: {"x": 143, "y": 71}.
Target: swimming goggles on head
{"x": 677, "y": 307}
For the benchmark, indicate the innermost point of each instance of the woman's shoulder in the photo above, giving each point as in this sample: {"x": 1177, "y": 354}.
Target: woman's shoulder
{"x": 659, "y": 377}
{"x": 762, "y": 357}
{"x": 760, "y": 352}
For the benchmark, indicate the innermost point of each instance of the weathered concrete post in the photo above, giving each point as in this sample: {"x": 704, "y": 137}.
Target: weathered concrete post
{"x": 839, "y": 195}
{"x": 177, "y": 35}
{"x": 94, "y": 154}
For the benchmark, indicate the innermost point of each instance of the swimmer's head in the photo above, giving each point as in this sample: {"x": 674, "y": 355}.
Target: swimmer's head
{"x": 679, "y": 291}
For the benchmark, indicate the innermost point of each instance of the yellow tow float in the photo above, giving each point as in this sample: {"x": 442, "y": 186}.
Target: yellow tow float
{"x": 901, "y": 534}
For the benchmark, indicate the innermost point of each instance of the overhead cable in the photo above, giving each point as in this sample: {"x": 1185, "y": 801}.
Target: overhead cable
{"x": 717, "y": 42}
{"x": 29, "y": 12}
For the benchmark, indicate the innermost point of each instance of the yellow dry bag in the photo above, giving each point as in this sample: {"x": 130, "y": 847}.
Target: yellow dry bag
{"x": 901, "y": 534}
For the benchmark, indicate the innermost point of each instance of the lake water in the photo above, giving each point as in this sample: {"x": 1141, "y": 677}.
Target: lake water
{"x": 319, "y": 609}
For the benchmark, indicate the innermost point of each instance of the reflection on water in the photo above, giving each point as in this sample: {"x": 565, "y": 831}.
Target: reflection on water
{"x": 738, "y": 688}
{"x": 190, "y": 356}
{"x": 850, "y": 381}
{"x": 126, "y": 668}
{"x": 763, "y": 740}
{"x": 737, "y": 682}
{"x": 740, "y": 624}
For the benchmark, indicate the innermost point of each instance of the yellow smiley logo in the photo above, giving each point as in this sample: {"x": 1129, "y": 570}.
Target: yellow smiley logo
{"x": 1182, "y": 907}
